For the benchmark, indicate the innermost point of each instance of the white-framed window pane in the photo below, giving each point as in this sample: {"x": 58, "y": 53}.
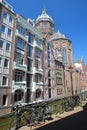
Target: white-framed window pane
{"x": 20, "y": 44}
{"x": 19, "y": 58}
{"x": 30, "y": 38}
{"x": 21, "y": 30}
{"x": 38, "y": 78}
{"x": 10, "y": 19}
{"x": 7, "y": 46}
{"x": 6, "y": 63}
{"x": 0, "y": 61}
{"x": 1, "y": 44}
{"x": 2, "y": 28}
{"x": 19, "y": 76}
{"x": 9, "y": 32}
{"x": 4, "y": 15}
{"x": 37, "y": 64}
{"x": 38, "y": 52}
{"x": 38, "y": 42}
{"x": 4, "y": 80}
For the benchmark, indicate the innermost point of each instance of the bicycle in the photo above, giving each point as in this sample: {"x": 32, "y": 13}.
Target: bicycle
{"x": 40, "y": 112}
{"x": 20, "y": 117}
{"x": 30, "y": 115}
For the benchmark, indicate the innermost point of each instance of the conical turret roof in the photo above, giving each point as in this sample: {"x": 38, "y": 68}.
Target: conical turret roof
{"x": 57, "y": 35}
{"x": 44, "y": 17}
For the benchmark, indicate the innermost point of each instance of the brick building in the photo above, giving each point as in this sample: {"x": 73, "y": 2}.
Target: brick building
{"x": 21, "y": 70}
{"x": 36, "y": 63}
{"x": 82, "y": 68}
{"x": 7, "y": 41}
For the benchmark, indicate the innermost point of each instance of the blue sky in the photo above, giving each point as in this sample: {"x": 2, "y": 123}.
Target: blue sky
{"x": 70, "y": 18}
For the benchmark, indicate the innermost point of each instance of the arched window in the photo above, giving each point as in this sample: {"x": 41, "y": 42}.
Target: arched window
{"x": 18, "y": 95}
{"x": 38, "y": 93}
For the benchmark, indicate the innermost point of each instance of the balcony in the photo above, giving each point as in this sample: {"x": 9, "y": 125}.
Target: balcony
{"x": 24, "y": 37}
{"x": 19, "y": 66}
{"x": 39, "y": 84}
{"x": 1, "y": 52}
{"x": 5, "y": 71}
{"x": 4, "y": 36}
{"x": 7, "y": 53}
{"x": 35, "y": 86}
{"x": 39, "y": 71}
{"x": 8, "y": 23}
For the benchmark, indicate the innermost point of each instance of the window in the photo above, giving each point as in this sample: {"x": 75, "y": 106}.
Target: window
{"x": 18, "y": 95}
{"x": 0, "y": 61}
{"x": 45, "y": 25}
{"x": 21, "y": 30}
{"x": 48, "y": 63}
{"x": 48, "y": 54}
{"x": 4, "y": 100}
{"x": 4, "y": 16}
{"x": 10, "y": 19}
{"x": 38, "y": 93}
{"x": 59, "y": 91}
{"x": 4, "y": 80}
{"x": 30, "y": 50}
{"x": 19, "y": 58}
{"x": 20, "y": 44}
{"x": 38, "y": 42}
{"x": 49, "y": 91}
{"x": 37, "y": 64}
{"x": 29, "y": 65}
{"x": 3, "y": 29}
{"x": 19, "y": 76}
{"x": 58, "y": 52}
{"x": 38, "y": 78}
{"x": 64, "y": 53}
{"x": 30, "y": 38}
{"x": 49, "y": 82}
{"x": 58, "y": 78}
{"x": 9, "y": 32}
{"x": 7, "y": 46}
{"x": 6, "y": 63}
{"x": 1, "y": 44}
{"x": 37, "y": 52}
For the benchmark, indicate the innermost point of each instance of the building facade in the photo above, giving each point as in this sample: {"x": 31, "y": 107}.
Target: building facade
{"x": 27, "y": 69}
{"x": 35, "y": 62}
{"x": 82, "y": 72}
{"x": 21, "y": 69}
{"x": 7, "y": 41}
{"x": 53, "y": 68}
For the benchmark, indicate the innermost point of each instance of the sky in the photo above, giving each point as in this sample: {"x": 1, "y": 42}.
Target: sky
{"x": 70, "y": 18}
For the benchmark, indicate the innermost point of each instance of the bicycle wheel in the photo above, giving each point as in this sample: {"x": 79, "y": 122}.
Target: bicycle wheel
{"x": 16, "y": 123}
{"x": 13, "y": 124}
